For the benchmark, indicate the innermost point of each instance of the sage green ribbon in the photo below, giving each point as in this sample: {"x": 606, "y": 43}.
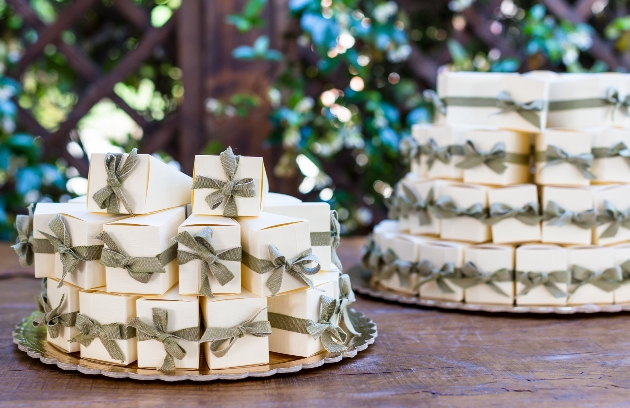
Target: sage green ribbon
{"x": 202, "y": 249}
{"x": 52, "y": 318}
{"x": 555, "y": 155}
{"x": 625, "y": 271}
{"x": 43, "y": 294}
{"x": 279, "y": 265}
{"x": 528, "y": 214}
{"x": 346, "y": 298}
{"x": 333, "y": 338}
{"x": 445, "y": 207}
{"x": 371, "y": 256}
{"x": 526, "y": 110}
{"x": 607, "y": 280}
{"x": 108, "y": 196}
{"x": 611, "y": 98}
{"x": 219, "y": 335}
{"x": 495, "y": 159}
{"x": 615, "y": 217}
{"x": 393, "y": 205}
{"x": 470, "y": 102}
{"x": 618, "y": 150}
{"x": 546, "y": 279}
{"x": 432, "y": 97}
{"x": 394, "y": 265}
{"x": 557, "y": 216}
{"x": 89, "y": 329}
{"x": 139, "y": 268}
{"x": 335, "y": 234}
{"x": 441, "y": 153}
{"x": 415, "y": 204}
{"x": 409, "y": 150}
{"x": 470, "y": 275}
{"x": 25, "y": 245}
{"x": 226, "y": 190}
{"x": 160, "y": 333}
{"x": 70, "y": 255}
{"x": 430, "y": 273}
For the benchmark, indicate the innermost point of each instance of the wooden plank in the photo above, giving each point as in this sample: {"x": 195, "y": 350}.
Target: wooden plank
{"x": 136, "y": 15}
{"x": 159, "y": 138}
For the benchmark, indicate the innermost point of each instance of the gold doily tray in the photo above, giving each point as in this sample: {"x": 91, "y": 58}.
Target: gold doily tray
{"x": 32, "y": 340}
{"x": 361, "y": 284}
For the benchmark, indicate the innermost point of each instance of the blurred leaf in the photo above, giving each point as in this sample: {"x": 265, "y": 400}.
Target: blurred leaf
{"x": 253, "y": 8}
{"x": 506, "y": 65}
{"x": 27, "y": 179}
{"x": 298, "y": 5}
{"x": 458, "y": 53}
{"x": 261, "y": 45}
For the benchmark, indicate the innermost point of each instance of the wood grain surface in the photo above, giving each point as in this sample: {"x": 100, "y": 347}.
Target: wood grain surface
{"x": 421, "y": 357}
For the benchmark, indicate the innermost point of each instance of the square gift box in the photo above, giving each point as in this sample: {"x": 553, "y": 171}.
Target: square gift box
{"x": 542, "y": 276}
{"x": 403, "y": 201}
{"x": 224, "y": 348}
{"x": 419, "y": 195}
{"x": 622, "y": 260}
{"x": 442, "y": 149}
{"x": 462, "y": 209}
{"x": 134, "y": 183}
{"x": 438, "y": 263}
{"x": 564, "y": 158}
{"x": 611, "y": 157}
{"x": 496, "y": 261}
{"x": 522, "y": 103}
{"x": 279, "y": 199}
{"x": 612, "y": 204}
{"x": 585, "y": 263}
{"x": 229, "y": 185}
{"x": 60, "y": 314}
{"x": 112, "y": 312}
{"x": 568, "y": 215}
{"x": 514, "y": 214}
{"x": 400, "y": 254}
{"x": 140, "y": 253}
{"x": 209, "y": 255}
{"x": 419, "y": 133}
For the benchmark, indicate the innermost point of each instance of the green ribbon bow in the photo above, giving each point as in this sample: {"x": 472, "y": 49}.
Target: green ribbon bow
{"x": 618, "y": 150}
{"x": 445, "y": 208}
{"x": 470, "y": 275}
{"x": 527, "y": 110}
{"x": 366, "y": 251}
{"x": 346, "y": 298}
{"x": 430, "y": 273}
{"x": 615, "y": 217}
{"x": 432, "y": 97}
{"x": 25, "y": 245}
{"x": 555, "y": 155}
{"x": 335, "y": 233}
{"x": 333, "y": 338}
{"x": 52, "y": 318}
{"x": 394, "y": 265}
{"x": 70, "y": 255}
{"x": 393, "y": 205}
{"x": 43, "y": 293}
{"x": 416, "y": 205}
{"x": 528, "y": 214}
{"x": 619, "y": 104}
{"x": 435, "y": 152}
{"x": 89, "y": 329}
{"x": 139, "y": 268}
{"x": 226, "y": 190}
{"x": 546, "y": 279}
{"x": 219, "y": 335}
{"x": 160, "y": 333}
{"x": 279, "y": 264}
{"x": 409, "y": 150}
{"x": 473, "y": 157}
{"x": 108, "y": 196}
{"x": 202, "y": 249}
{"x": 559, "y": 217}
{"x": 607, "y": 280}
{"x": 625, "y": 271}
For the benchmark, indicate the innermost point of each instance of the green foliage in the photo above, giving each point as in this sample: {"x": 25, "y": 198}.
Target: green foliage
{"x": 259, "y": 51}
{"x": 250, "y": 18}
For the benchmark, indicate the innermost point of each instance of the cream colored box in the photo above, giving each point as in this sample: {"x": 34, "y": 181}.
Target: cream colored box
{"x": 383, "y": 230}
{"x": 611, "y": 163}
{"x": 318, "y": 216}
{"x": 404, "y": 201}
{"x": 465, "y": 228}
{"x": 183, "y": 312}
{"x": 579, "y": 203}
{"x": 448, "y": 144}
{"x": 532, "y": 94}
{"x": 248, "y": 167}
{"x": 419, "y": 133}
{"x": 144, "y": 236}
{"x": 516, "y": 148}
{"x": 226, "y": 234}
{"x": 151, "y": 186}
{"x": 428, "y": 191}
{"x": 79, "y": 200}
{"x": 537, "y": 259}
{"x": 490, "y": 259}
{"x": 404, "y": 249}
{"x": 610, "y": 203}
{"x": 70, "y": 304}
{"x": 44, "y": 264}
{"x": 512, "y": 230}
{"x": 279, "y": 199}
{"x": 303, "y": 304}
{"x": 291, "y": 236}
{"x": 438, "y": 254}
{"x": 230, "y": 311}
{"x": 622, "y": 259}
{"x": 107, "y": 308}
{"x": 569, "y": 141}
{"x": 595, "y": 259}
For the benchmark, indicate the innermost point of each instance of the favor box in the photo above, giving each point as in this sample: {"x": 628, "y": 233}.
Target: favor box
{"x": 83, "y": 227}
{"x": 540, "y": 258}
{"x": 230, "y": 311}
{"x": 145, "y": 236}
{"x": 619, "y": 197}
{"x": 419, "y": 133}
{"x": 423, "y": 189}
{"x": 595, "y": 259}
{"x": 291, "y": 236}
{"x": 279, "y": 199}
{"x": 79, "y": 200}
{"x": 318, "y": 216}
{"x": 438, "y": 253}
{"x": 106, "y": 308}
{"x": 450, "y": 137}
{"x": 576, "y": 200}
{"x": 406, "y": 248}
{"x": 248, "y": 167}
{"x": 403, "y": 200}
{"x": 608, "y": 146}
{"x": 621, "y": 256}
{"x": 464, "y": 228}
{"x": 183, "y": 312}
{"x": 490, "y": 258}
{"x": 511, "y": 230}
{"x": 151, "y": 186}
{"x": 226, "y": 234}
{"x": 517, "y": 152}
{"x": 69, "y": 305}
{"x": 572, "y": 142}
{"x": 384, "y": 230}
{"x": 526, "y": 93}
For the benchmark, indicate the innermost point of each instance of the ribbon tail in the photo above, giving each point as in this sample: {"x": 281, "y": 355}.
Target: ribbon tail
{"x": 205, "y": 289}
{"x": 554, "y": 290}
{"x": 142, "y": 277}
{"x": 230, "y": 209}
{"x": 345, "y": 316}
{"x": 114, "y": 351}
{"x": 168, "y": 364}
{"x": 530, "y": 116}
{"x": 611, "y": 231}
{"x": 443, "y": 286}
{"x": 275, "y": 281}
{"x": 497, "y": 289}
{"x": 53, "y": 330}
{"x": 331, "y": 345}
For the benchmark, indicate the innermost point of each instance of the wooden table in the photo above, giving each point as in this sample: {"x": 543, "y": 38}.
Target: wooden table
{"x": 421, "y": 357}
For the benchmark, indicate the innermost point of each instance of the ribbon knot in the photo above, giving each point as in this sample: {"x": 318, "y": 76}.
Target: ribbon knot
{"x": 89, "y": 329}
{"x": 226, "y": 191}
{"x": 555, "y": 155}
{"x": 527, "y": 110}
{"x": 335, "y": 234}
{"x": 394, "y": 265}
{"x": 470, "y": 275}
{"x": 607, "y": 280}
{"x": 417, "y": 205}
{"x": 438, "y": 104}
{"x": 332, "y": 336}
{"x": 615, "y": 217}
{"x": 109, "y": 196}
{"x": 528, "y": 214}
{"x": 613, "y": 98}
{"x": 52, "y": 318}
{"x": 618, "y": 150}
{"x": 435, "y": 152}
{"x": 409, "y": 150}
{"x": 445, "y": 207}
{"x": 430, "y": 273}
{"x": 346, "y": 298}
{"x": 370, "y": 256}
{"x": 557, "y": 216}
{"x": 219, "y": 335}
{"x": 393, "y": 205}
{"x": 473, "y": 157}
{"x": 546, "y": 279}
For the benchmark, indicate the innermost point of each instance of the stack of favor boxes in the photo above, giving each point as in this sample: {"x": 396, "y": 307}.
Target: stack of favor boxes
{"x": 166, "y": 271}
{"x": 518, "y": 194}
